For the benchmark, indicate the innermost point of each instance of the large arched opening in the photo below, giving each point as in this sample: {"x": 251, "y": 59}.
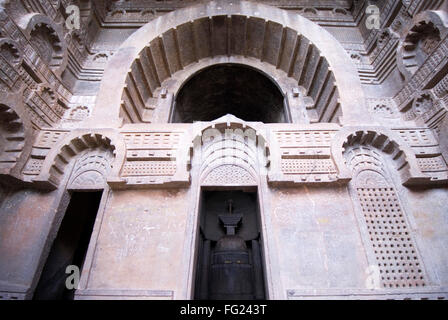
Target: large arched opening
{"x": 138, "y": 77}
{"x": 229, "y": 89}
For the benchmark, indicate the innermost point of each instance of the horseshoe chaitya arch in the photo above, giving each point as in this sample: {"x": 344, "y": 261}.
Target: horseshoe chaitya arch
{"x": 53, "y": 169}
{"x": 169, "y": 40}
{"x": 383, "y": 140}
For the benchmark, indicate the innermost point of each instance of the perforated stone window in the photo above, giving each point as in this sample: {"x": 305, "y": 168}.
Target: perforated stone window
{"x": 33, "y": 166}
{"x": 298, "y": 166}
{"x": 387, "y": 235}
{"x": 432, "y": 164}
{"x": 390, "y": 238}
{"x": 151, "y": 168}
{"x": 154, "y": 139}
{"x": 300, "y": 138}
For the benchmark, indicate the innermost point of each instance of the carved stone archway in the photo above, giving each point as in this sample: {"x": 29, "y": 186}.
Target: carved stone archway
{"x": 383, "y": 140}
{"x": 53, "y": 169}
{"x": 91, "y": 169}
{"x": 162, "y": 104}
{"x": 12, "y": 140}
{"x": 292, "y": 43}
{"x": 230, "y": 144}
{"x": 47, "y": 38}
{"x": 421, "y": 38}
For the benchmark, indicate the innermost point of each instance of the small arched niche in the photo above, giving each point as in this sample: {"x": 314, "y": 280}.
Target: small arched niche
{"x": 233, "y": 89}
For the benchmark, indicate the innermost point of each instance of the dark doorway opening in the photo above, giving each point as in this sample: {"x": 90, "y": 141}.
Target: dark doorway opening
{"x": 229, "y": 262}
{"x": 230, "y": 89}
{"x": 69, "y": 247}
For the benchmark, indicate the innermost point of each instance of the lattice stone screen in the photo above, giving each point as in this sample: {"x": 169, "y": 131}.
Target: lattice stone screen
{"x": 390, "y": 238}
{"x": 387, "y": 234}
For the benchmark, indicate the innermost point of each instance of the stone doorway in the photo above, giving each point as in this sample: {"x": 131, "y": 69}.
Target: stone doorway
{"x": 69, "y": 247}
{"x": 229, "y": 264}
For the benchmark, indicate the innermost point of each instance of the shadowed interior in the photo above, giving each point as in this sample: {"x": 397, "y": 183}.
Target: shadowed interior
{"x": 229, "y": 89}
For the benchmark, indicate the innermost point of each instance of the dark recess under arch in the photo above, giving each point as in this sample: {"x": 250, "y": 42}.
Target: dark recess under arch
{"x": 229, "y": 89}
